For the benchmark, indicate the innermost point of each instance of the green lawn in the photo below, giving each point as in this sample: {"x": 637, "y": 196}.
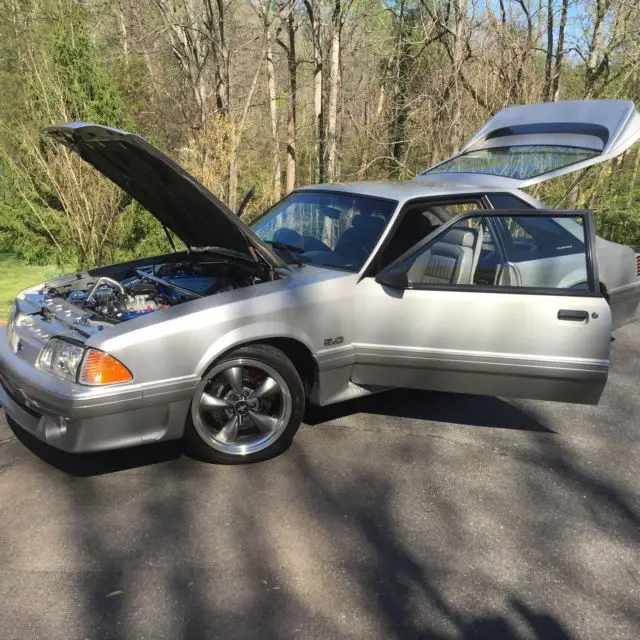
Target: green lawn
{"x": 15, "y": 276}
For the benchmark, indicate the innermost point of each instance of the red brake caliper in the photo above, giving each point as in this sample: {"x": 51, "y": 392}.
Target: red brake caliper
{"x": 256, "y": 378}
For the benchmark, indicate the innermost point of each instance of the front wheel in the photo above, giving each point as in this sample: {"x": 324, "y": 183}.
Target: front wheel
{"x": 247, "y": 407}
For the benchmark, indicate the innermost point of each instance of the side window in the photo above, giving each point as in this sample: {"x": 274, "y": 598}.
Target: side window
{"x": 537, "y": 237}
{"x": 456, "y": 208}
{"x": 542, "y": 251}
{"x": 507, "y": 201}
{"x": 418, "y": 220}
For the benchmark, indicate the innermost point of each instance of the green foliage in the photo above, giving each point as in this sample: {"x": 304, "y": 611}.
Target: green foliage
{"x": 611, "y": 191}
{"x": 403, "y": 105}
{"x": 62, "y": 77}
{"x": 23, "y": 221}
{"x": 137, "y": 234}
{"x": 87, "y": 88}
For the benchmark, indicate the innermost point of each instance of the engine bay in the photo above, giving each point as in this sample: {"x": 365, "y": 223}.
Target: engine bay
{"x": 145, "y": 288}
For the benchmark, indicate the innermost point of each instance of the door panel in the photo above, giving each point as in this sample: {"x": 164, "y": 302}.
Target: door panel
{"x": 481, "y": 343}
{"x": 545, "y": 341}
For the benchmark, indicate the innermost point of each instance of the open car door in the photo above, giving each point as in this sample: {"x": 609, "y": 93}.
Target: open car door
{"x": 524, "y": 145}
{"x": 502, "y": 303}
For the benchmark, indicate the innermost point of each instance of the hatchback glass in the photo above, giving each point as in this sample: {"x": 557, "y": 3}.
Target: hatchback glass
{"x": 521, "y": 162}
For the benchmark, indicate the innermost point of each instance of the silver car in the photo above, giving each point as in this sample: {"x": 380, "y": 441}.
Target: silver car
{"x": 455, "y": 281}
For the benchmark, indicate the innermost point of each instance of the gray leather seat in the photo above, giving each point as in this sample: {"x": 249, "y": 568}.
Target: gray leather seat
{"x": 451, "y": 260}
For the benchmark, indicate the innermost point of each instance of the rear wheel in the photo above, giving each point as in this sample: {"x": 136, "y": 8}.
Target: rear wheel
{"x": 247, "y": 407}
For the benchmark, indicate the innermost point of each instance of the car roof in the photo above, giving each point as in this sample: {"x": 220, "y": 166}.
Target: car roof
{"x": 406, "y": 189}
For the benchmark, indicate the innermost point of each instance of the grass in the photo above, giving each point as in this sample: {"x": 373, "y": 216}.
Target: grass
{"x": 16, "y": 276}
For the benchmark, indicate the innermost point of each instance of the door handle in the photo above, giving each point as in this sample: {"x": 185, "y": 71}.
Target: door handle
{"x": 575, "y": 315}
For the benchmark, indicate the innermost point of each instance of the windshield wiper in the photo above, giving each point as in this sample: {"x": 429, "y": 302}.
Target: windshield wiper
{"x": 283, "y": 246}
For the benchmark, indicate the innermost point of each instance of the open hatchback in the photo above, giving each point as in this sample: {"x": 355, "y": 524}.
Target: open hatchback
{"x": 524, "y": 145}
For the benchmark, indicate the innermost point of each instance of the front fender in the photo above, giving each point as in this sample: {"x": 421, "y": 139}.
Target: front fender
{"x": 254, "y": 332}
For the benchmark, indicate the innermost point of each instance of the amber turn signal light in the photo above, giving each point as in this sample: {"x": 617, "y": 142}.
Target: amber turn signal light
{"x": 99, "y": 367}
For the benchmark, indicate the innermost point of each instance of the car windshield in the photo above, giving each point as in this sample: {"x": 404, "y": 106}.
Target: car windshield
{"x": 325, "y": 228}
{"x": 520, "y": 162}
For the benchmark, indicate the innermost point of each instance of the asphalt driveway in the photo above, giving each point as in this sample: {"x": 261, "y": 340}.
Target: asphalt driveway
{"x": 406, "y": 515}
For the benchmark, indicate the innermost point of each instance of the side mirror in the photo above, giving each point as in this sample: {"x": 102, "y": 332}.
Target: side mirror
{"x": 396, "y": 279}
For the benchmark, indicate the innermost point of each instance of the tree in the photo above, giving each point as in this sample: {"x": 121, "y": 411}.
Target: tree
{"x": 369, "y": 90}
{"x": 338, "y": 16}
{"x": 314, "y": 14}
{"x": 289, "y": 46}
{"x": 267, "y": 13}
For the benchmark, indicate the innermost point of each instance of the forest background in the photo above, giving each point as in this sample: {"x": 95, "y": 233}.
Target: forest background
{"x": 277, "y": 93}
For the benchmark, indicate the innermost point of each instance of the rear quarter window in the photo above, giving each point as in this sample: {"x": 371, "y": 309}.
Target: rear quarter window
{"x": 539, "y": 237}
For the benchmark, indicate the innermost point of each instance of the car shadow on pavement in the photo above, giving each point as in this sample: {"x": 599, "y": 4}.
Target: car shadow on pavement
{"x": 452, "y": 408}
{"x": 540, "y": 626}
{"x": 361, "y": 547}
{"x": 479, "y": 411}
{"x": 232, "y": 579}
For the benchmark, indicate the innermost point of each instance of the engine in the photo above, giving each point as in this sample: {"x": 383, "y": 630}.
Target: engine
{"x": 148, "y": 288}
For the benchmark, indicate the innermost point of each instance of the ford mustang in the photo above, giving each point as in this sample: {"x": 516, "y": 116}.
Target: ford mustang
{"x": 454, "y": 281}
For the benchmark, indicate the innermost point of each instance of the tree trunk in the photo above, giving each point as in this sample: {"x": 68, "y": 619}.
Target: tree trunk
{"x": 184, "y": 23}
{"x": 273, "y": 105}
{"x": 122, "y": 25}
{"x": 313, "y": 12}
{"x": 548, "y": 67}
{"x": 364, "y": 161}
{"x": 291, "y": 119}
{"x": 334, "y": 82}
{"x": 555, "y": 86}
{"x": 400, "y": 114}
{"x": 232, "y": 184}
{"x": 216, "y": 24}
{"x": 223, "y": 72}
{"x": 594, "y": 67}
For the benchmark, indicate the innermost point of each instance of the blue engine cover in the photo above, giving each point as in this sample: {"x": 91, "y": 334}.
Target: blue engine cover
{"x": 130, "y": 315}
{"x": 197, "y": 284}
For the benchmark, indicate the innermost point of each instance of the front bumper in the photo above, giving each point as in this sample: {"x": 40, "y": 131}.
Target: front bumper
{"x": 76, "y": 418}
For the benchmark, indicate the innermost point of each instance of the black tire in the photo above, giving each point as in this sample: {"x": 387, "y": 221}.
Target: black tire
{"x": 203, "y": 445}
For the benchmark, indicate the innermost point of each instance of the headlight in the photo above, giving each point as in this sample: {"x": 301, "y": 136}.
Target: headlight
{"x": 61, "y": 358}
{"x": 76, "y": 363}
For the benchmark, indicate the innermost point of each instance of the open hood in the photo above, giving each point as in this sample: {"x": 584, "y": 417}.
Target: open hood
{"x": 524, "y": 145}
{"x": 163, "y": 187}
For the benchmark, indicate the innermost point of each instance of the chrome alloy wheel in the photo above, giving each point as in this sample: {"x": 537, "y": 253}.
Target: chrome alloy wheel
{"x": 241, "y": 406}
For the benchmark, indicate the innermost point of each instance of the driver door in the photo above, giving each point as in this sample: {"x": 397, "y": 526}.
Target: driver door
{"x": 465, "y": 312}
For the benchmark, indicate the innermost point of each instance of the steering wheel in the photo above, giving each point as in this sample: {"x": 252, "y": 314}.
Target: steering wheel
{"x": 289, "y": 236}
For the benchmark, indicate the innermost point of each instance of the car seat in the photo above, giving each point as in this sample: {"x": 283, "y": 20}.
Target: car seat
{"x": 450, "y": 260}
{"x": 361, "y": 237}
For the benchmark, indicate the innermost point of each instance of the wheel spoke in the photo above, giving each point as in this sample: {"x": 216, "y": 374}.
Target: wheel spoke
{"x": 229, "y": 433}
{"x": 264, "y": 422}
{"x": 268, "y": 387}
{"x": 209, "y": 402}
{"x": 234, "y": 378}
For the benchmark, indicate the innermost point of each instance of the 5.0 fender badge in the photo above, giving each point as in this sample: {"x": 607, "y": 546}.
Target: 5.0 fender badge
{"x": 332, "y": 342}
